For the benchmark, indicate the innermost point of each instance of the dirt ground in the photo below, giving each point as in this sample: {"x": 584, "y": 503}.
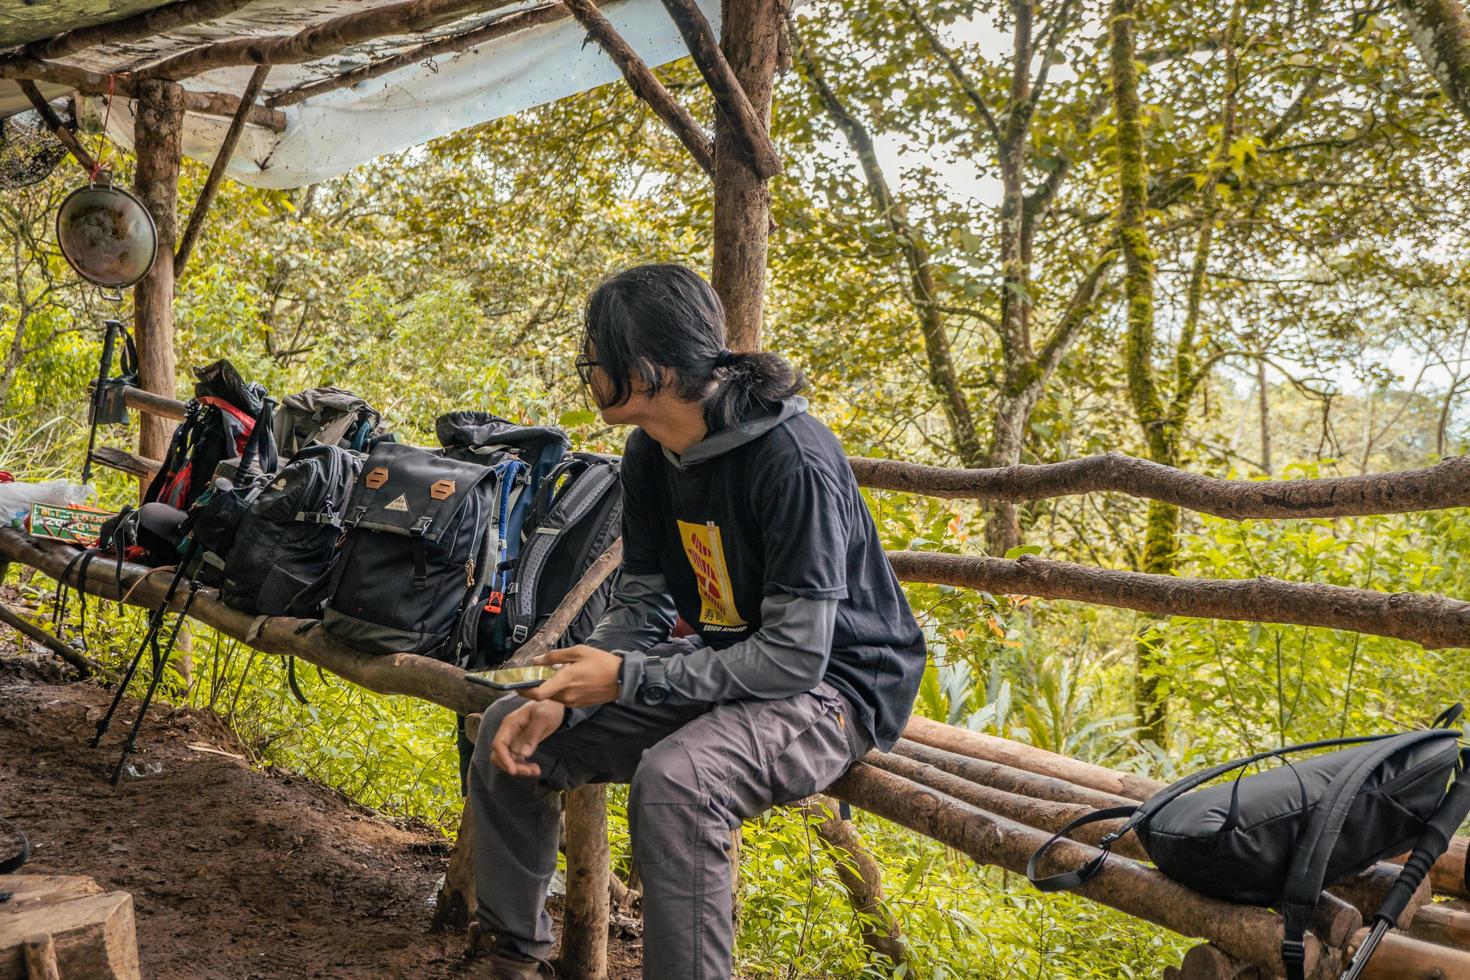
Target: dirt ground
{"x": 235, "y": 873}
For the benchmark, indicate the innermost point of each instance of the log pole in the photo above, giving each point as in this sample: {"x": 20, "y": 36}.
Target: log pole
{"x": 747, "y": 125}
{"x": 584, "y": 928}
{"x": 643, "y": 82}
{"x": 156, "y": 140}
{"x": 217, "y": 169}
{"x": 861, "y": 877}
{"x": 1006, "y": 752}
{"x": 751, "y": 32}
{"x": 1400, "y": 957}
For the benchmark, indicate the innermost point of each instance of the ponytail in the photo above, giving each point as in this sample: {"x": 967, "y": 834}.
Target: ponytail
{"x": 748, "y": 384}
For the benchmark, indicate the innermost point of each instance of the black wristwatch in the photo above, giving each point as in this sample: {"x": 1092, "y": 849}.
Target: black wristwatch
{"x": 654, "y": 690}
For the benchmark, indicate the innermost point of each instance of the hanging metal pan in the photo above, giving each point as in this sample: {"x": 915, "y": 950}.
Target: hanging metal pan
{"x": 107, "y": 235}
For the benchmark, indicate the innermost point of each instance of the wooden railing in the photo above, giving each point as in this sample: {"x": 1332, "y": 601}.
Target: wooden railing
{"x": 994, "y": 799}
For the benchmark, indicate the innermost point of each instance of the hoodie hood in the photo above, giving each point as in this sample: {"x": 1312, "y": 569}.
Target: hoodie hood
{"x": 718, "y": 443}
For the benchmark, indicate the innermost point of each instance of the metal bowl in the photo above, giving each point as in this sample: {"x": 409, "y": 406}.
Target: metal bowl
{"x": 107, "y": 235}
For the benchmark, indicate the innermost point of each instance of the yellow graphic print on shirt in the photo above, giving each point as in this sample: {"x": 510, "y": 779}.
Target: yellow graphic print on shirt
{"x": 706, "y": 553}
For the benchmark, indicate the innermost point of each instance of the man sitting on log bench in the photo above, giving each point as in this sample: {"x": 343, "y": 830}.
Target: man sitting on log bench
{"x": 743, "y": 517}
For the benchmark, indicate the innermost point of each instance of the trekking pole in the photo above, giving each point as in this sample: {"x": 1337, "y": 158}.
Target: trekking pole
{"x": 150, "y": 639}
{"x": 160, "y": 661}
{"x": 109, "y": 341}
{"x": 1433, "y": 842}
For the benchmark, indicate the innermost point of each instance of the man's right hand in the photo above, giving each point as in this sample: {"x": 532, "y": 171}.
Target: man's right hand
{"x": 521, "y": 732}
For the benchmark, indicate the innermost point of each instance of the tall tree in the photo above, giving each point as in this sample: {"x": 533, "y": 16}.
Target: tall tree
{"x": 1441, "y": 32}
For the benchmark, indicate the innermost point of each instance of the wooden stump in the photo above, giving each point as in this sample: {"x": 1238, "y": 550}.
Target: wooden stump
{"x": 66, "y": 927}
{"x": 1207, "y": 962}
{"x": 1439, "y": 923}
{"x": 1400, "y": 958}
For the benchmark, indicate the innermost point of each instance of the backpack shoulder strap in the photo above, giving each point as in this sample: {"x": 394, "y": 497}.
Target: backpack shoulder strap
{"x": 575, "y": 503}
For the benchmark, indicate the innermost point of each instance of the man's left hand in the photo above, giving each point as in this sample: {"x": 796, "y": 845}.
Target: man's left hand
{"x": 588, "y": 676}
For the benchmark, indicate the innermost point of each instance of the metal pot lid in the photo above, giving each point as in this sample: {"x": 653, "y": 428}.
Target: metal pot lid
{"x": 107, "y": 235}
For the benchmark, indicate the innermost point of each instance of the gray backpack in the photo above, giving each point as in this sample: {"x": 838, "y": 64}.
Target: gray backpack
{"x": 325, "y": 416}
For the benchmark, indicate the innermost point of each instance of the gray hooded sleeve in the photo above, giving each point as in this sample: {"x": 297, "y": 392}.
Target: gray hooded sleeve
{"x": 786, "y": 656}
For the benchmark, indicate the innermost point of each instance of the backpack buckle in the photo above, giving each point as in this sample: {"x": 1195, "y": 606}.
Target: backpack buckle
{"x": 421, "y": 527}
{"x": 354, "y": 517}
{"x": 1293, "y": 952}
{"x": 495, "y": 603}
{"x": 518, "y": 634}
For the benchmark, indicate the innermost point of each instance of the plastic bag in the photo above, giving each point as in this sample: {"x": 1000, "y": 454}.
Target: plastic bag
{"x": 16, "y": 498}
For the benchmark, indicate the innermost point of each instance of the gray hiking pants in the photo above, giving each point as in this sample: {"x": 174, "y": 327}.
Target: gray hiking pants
{"x": 696, "y": 773}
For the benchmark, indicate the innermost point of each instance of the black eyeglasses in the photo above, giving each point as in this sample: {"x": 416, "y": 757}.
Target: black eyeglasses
{"x": 584, "y": 365}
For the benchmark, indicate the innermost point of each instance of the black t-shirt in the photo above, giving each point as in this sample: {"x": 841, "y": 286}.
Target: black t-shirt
{"x": 778, "y": 514}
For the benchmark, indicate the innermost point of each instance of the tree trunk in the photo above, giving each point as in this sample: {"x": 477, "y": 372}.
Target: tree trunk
{"x": 1264, "y": 405}
{"x": 1441, "y": 32}
{"x": 862, "y": 877}
{"x": 160, "y": 109}
{"x": 751, "y": 29}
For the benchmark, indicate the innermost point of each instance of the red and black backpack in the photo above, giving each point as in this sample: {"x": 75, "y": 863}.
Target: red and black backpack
{"x": 217, "y": 423}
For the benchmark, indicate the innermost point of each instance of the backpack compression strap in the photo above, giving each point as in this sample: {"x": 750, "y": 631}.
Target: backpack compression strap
{"x": 1073, "y": 879}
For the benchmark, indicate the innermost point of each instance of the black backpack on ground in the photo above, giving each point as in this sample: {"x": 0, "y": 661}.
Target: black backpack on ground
{"x": 285, "y": 543}
{"x": 421, "y": 545}
{"x": 1280, "y": 837}
{"x": 575, "y": 516}
{"x": 325, "y": 416}
{"x": 217, "y": 423}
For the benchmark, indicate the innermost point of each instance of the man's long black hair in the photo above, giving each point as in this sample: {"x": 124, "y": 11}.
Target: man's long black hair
{"x": 651, "y": 317}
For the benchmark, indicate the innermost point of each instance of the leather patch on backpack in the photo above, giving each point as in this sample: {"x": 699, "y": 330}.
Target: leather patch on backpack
{"x": 442, "y": 489}
{"x": 376, "y": 478}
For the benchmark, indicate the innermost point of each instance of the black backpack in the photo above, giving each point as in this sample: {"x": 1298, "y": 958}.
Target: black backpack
{"x": 422, "y": 541}
{"x": 218, "y": 421}
{"x": 325, "y": 416}
{"x": 487, "y": 439}
{"x": 575, "y": 516}
{"x": 285, "y": 543}
{"x": 1280, "y": 837}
